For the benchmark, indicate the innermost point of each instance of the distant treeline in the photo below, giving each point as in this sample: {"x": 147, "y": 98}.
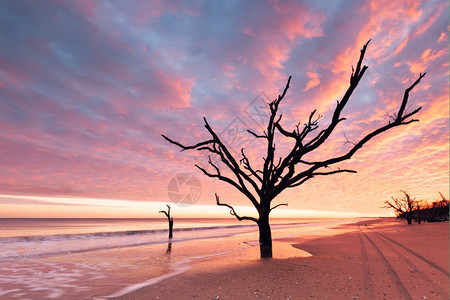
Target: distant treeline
{"x": 425, "y": 212}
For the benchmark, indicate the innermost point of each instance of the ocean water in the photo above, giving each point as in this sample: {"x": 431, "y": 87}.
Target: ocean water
{"x": 97, "y": 258}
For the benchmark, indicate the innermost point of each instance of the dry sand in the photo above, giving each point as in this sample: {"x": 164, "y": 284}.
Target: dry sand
{"x": 377, "y": 259}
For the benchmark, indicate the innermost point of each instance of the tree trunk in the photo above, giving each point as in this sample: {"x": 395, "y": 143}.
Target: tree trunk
{"x": 409, "y": 218}
{"x": 169, "y": 247}
{"x": 170, "y": 228}
{"x": 265, "y": 237}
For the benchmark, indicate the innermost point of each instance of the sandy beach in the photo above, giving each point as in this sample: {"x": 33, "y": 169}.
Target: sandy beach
{"x": 375, "y": 259}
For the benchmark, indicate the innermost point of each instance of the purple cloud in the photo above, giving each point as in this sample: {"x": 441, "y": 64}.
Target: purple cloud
{"x": 87, "y": 87}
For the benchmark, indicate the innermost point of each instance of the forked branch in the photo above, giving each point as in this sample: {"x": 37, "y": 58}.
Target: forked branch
{"x": 233, "y": 212}
{"x": 167, "y": 213}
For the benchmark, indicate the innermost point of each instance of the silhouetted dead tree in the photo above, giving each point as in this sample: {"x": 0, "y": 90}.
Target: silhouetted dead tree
{"x": 403, "y": 207}
{"x": 420, "y": 210}
{"x": 261, "y": 186}
{"x": 444, "y": 201}
{"x": 169, "y": 218}
{"x": 418, "y": 214}
{"x": 438, "y": 211}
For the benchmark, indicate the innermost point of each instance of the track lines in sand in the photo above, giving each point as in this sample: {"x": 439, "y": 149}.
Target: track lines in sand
{"x": 401, "y": 289}
{"x": 434, "y": 265}
{"x": 413, "y": 275}
{"x": 366, "y": 269}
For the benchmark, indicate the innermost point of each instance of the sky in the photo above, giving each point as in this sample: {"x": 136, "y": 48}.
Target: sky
{"x": 88, "y": 87}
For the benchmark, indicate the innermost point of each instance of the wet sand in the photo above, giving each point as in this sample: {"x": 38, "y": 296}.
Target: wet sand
{"x": 376, "y": 259}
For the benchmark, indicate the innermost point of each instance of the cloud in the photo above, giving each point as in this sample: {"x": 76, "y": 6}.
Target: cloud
{"x": 314, "y": 81}
{"x": 12, "y": 200}
{"x": 87, "y": 88}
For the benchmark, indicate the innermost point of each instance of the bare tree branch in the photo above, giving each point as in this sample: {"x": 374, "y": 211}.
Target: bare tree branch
{"x": 221, "y": 177}
{"x": 231, "y": 163}
{"x": 300, "y": 182}
{"x": 167, "y": 213}
{"x": 162, "y": 211}
{"x": 268, "y": 163}
{"x": 333, "y": 172}
{"x": 247, "y": 166}
{"x": 299, "y": 151}
{"x": 233, "y": 212}
{"x": 285, "y": 132}
{"x": 399, "y": 121}
{"x": 257, "y": 135}
{"x": 443, "y": 198}
{"x": 354, "y": 81}
{"x": 347, "y": 141}
{"x": 278, "y": 205}
{"x": 183, "y": 147}
{"x": 405, "y": 98}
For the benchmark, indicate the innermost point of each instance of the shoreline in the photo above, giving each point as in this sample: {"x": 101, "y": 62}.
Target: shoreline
{"x": 371, "y": 259}
{"x": 71, "y": 265}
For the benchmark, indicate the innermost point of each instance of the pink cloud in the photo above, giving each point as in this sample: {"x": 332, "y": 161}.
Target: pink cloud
{"x": 389, "y": 24}
{"x": 278, "y": 33}
{"x": 314, "y": 80}
{"x": 46, "y": 171}
{"x": 442, "y": 37}
{"x": 428, "y": 56}
{"x": 84, "y": 117}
